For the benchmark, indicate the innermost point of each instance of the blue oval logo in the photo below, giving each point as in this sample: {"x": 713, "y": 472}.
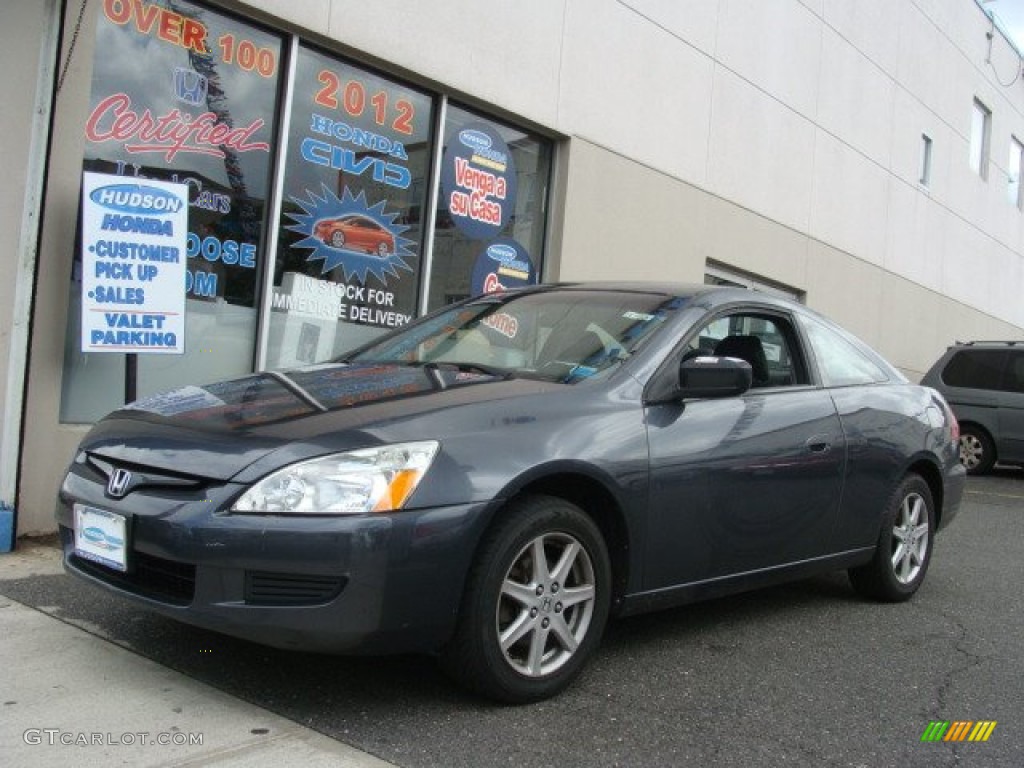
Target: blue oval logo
{"x": 506, "y": 254}
{"x": 100, "y": 538}
{"x": 475, "y": 139}
{"x": 136, "y": 198}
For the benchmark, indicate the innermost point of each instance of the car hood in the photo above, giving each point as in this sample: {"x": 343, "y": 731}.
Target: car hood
{"x": 217, "y": 430}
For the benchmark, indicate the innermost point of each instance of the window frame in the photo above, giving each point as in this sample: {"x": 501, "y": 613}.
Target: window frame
{"x": 980, "y": 138}
{"x": 925, "y": 178}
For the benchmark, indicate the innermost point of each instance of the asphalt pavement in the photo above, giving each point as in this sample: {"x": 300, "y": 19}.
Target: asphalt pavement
{"x": 806, "y": 674}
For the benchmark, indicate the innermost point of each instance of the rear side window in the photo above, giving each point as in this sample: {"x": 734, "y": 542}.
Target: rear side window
{"x": 841, "y": 363}
{"x": 976, "y": 369}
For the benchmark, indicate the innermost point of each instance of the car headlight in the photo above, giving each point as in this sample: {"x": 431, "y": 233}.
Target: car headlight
{"x": 355, "y": 482}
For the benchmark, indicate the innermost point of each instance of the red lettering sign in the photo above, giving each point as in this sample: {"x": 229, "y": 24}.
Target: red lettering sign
{"x": 151, "y": 19}
{"x": 114, "y": 120}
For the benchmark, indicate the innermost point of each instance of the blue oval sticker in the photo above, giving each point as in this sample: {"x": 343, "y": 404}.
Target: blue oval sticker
{"x": 136, "y": 198}
{"x": 503, "y": 253}
{"x": 475, "y": 139}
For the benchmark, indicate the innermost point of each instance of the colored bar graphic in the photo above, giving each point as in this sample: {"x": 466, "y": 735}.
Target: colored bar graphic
{"x": 935, "y": 731}
{"x": 982, "y": 730}
{"x": 958, "y": 730}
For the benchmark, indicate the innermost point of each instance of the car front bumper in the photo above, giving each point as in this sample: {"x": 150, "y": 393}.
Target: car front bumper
{"x": 383, "y": 583}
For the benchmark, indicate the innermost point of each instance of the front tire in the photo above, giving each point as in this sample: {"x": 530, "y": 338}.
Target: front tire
{"x": 904, "y": 547}
{"x": 536, "y": 603}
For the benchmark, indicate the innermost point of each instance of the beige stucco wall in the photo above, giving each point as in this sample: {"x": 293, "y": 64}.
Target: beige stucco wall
{"x": 20, "y": 40}
{"x": 23, "y": 25}
{"x": 624, "y": 220}
{"x": 49, "y": 445}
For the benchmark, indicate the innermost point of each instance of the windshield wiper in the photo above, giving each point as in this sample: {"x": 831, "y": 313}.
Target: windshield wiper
{"x": 296, "y": 390}
{"x": 466, "y": 367}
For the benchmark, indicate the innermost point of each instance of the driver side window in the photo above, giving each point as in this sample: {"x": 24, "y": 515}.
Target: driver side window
{"x": 768, "y": 343}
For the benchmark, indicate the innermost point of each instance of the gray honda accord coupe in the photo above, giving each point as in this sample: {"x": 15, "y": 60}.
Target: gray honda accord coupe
{"x": 492, "y": 483}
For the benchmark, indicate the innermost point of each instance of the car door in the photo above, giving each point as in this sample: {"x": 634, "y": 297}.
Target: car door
{"x": 1011, "y": 409}
{"x": 356, "y": 233}
{"x": 740, "y": 484}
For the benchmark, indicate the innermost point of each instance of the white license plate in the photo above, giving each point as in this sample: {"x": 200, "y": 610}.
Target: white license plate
{"x": 100, "y": 536}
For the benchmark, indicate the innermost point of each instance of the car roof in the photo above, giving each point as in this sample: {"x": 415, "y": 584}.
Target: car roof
{"x": 987, "y": 343}
{"x": 711, "y": 295}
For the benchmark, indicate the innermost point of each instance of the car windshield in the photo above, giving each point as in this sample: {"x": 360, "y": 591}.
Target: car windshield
{"x": 557, "y": 335}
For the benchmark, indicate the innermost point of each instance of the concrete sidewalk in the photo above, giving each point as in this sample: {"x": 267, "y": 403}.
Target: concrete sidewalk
{"x": 69, "y": 697}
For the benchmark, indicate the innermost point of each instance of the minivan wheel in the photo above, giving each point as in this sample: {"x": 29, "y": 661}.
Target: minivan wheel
{"x": 977, "y": 451}
{"x": 904, "y": 547}
{"x": 535, "y": 605}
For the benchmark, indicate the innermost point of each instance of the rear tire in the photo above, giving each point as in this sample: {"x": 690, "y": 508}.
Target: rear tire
{"x": 904, "y": 547}
{"x": 536, "y": 602}
{"x": 977, "y": 451}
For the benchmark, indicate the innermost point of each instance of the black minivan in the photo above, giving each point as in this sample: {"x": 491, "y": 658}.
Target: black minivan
{"x": 983, "y": 381}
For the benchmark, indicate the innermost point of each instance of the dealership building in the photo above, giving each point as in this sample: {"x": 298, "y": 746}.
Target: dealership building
{"x": 307, "y": 175}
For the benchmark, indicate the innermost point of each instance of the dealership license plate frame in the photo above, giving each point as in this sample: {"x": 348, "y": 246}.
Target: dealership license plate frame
{"x": 101, "y": 536}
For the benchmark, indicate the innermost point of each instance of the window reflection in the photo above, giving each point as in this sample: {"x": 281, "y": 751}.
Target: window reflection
{"x": 200, "y": 114}
{"x": 477, "y": 248}
{"x": 351, "y": 232}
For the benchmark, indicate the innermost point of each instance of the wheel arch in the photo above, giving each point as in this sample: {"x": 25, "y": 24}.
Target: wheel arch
{"x": 980, "y": 427}
{"x": 579, "y": 486}
{"x": 929, "y": 471}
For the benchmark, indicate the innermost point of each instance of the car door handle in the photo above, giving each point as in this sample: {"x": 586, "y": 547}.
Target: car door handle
{"x": 819, "y": 444}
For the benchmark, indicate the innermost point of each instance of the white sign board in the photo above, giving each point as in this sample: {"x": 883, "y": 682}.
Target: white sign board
{"x": 133, "y": 264}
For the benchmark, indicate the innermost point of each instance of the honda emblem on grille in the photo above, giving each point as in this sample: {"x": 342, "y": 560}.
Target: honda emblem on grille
{"x": 117, "y": 485}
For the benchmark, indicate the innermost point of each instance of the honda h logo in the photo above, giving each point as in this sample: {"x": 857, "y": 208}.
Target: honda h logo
{"x": 117, "y": 485}
{"x": 190, "y": 86}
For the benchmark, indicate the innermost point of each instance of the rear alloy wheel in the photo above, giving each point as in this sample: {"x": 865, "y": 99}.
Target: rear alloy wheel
{"x": 535, "y": 605}
{"x": 904, "y": 548}
{"x": 977, "y": 452}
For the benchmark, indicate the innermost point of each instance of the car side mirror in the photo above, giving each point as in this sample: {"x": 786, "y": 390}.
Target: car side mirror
{"x": 713, "y": 376}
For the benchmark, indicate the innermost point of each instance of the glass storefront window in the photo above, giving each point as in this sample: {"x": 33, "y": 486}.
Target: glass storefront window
{"x": 182, "y": 93}
{"x": 185, "y": 93}
{"x": 351, "y": 231}
{"x": 491, "y": 210}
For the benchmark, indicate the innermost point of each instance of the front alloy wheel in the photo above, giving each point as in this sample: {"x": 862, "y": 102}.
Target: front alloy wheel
{"x": 904, "y": 545}
{"x": 546, "y": 604}
{"x": 536, "y": 602}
